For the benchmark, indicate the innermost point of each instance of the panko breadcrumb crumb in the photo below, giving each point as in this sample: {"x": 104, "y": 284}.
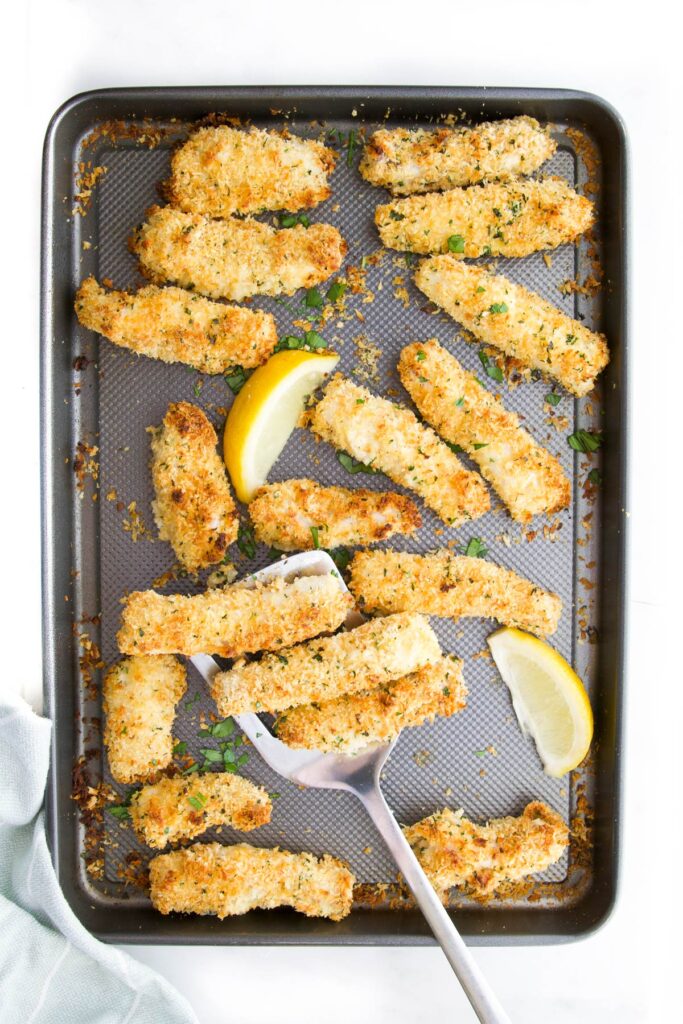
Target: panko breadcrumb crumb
{"x": 452, "y": 586}
{"x": 175, "y": 809}
{"x": 455, "y": 852}
{"x": 519, "y": 322}
{"x": 297, "y": 515}
{"x": 526, "y": 476}
{"x": 359, "y": 659}
{"x": 139, "y": 696}
{"x": 233, "y": 259}
{"x": 222, "y": 170}
{"x": 225, "y": 880}
{"x": 408, "y": 160}
{"x": 351, "y": 722}
{"x": 391, "y": 439}
{"x": 193, "y": 506}
{"x": 507, "y": 219}
{"x": 233, "y": 620}
{"x": 177, "y": 326}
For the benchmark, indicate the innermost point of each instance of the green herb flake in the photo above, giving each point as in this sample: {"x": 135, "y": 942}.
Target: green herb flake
{"x": 316, "y": 538}
{"x": 180, "y": 748}
{"x": 492, "y": 369}
{"x": 498, "y": 307}
{"x": 245, "y": 540}
{"x": 352, "y": 465}
{"x": 211, "y": 755}
{"x": 480, "y": 753}
{"x": 395, "y": 215}
{"x": 314, "y": 340}
{"x": 336, "y": 291}
{"x": 480, "y": 444}
{"x": 584, "y": 441}
{"x": 476, "y": 548}
{"x": 552, "y": 398}
{"x": 288, "y": 220}
{"x": 421, "y": 356}
{"x": 456, "y": 243}
{"x": 480, "y": 289}
{"x": 314, "y": 299}
{"x": 189, "y": 703}
{"x": 595, "y": 477}
{"x": 119, "y": 811}
{"x": 351, "y": 147}
{"x": 341, "y": 557}
{"x": 455, "y": 448}
{"x": 236, "y": 379}
{"x": 197, "y": 801}
{"x": 222, "y": 729}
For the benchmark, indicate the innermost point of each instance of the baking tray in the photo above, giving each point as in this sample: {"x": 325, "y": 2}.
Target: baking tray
{"x": 96, "y": 395}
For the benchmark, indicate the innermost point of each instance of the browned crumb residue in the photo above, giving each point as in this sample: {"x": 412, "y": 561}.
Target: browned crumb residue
{"x": 368, "y": 360}
{"x": 87, "y": 177}
{"x": 134, "y": 524}
{"x": 85, "y": 464}
{"x": 145, "y": 133}
{"x": 91, "y": 796}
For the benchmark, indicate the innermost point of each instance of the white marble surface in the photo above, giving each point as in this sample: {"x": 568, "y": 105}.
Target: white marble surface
{"x": 628, "y": 54}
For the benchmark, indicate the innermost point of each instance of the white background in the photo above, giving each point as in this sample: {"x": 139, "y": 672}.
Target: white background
{"x": 629, "y": 55}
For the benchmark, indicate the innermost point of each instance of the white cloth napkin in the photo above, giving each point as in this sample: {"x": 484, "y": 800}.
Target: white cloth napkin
{"x": 52, "y": 971}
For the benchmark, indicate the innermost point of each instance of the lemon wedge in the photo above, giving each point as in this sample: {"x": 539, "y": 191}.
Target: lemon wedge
{"x": 549, "y": 699}
{"x": 265, "y": 412}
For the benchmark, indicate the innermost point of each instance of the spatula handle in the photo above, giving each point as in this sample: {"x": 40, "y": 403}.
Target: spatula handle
{"x": 477, "y": 989}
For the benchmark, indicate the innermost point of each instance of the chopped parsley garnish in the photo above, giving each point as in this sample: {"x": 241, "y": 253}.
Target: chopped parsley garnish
{"x": 197, "y": 801}
{"x": 491, "y": 369}
{"x": 480, "y": 289}
{"x": 584, "y": 441}
{"x": 552, "y": 398}
{"x": 311, "y": 339}
{"x": 245, "y": 540}
{"x": 352, "y": 465}
{"x": 456, "y": 243}
{"x": 480, "y": 753}
{"x": 341, "y": 557}
{"x": 189, "y": 703}
{"x": 336, "y": 290}
{"x": 180, "y": 748}
{"x": 351, "y": 147}
{"x": 571, "y": 339}
{"x": 476, "y": 548}
{"x": 455, "y": 448}
{"x": 498, "y": 307}
{"x": 595, "y": 477}
{"x": 236, "y": 379}
{"x": 314, "y": 535}
{"x": 120, "y": 811}
{"x": 461, "y": 401}
{"x": 290, "y": 220}
{"x": 395, "y": 215}
{"x": 314, "y": 299}
{"x": 421, "y": 355}
{"x": 480, "y": 444}
{"x": 212, "y": 755}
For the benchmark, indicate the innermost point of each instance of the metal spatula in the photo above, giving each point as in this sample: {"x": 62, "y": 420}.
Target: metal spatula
{"x": 360, "y": 775}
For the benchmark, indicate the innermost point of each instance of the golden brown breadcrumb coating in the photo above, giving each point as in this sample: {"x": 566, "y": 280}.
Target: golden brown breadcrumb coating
{"x": 233, "y": 259}
{"x": 182, "y": 808}
{"x": 526, "y": 476}
{"x": 297, "y": 515}
{"x": 177, "y": 326}
{"x": 358, "y": 659}
{"x": 351, "y": 722}
{"x": 234, "y": 620}
{"x": 193, "y": 507}
{"x": 501, "y": 219}
{"x": 225, "y": 880}
{"x": 452, "y": 586}
{"x": 455, "y": 851}
{"x": 220, "y": 171}
{"x": 517, "y": 321}
{"x": 407, "y": 160}
{"x": 139, "y": 696}
{"x": 391, "y": 439}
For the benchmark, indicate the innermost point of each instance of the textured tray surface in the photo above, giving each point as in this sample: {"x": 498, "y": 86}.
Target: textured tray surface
{"x": 479, "y": 759}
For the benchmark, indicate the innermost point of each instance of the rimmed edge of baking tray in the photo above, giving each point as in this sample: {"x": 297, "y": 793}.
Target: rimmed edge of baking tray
{"x": 489, "y": 925}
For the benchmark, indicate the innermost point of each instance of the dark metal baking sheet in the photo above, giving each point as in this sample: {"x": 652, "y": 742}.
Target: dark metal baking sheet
{"x": 91, "y": 559}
